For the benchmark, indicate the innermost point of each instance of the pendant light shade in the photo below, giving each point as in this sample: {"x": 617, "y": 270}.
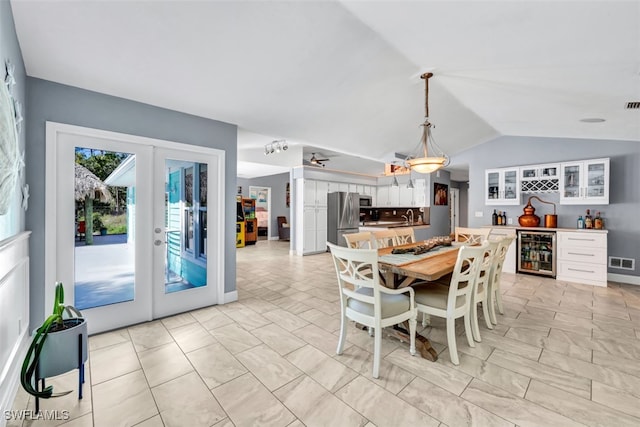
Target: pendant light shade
{"x": 427, "y": 164}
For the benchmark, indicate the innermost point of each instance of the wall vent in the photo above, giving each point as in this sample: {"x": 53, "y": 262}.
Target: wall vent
{"x": 623, "y": 263}
{"x": 633, "y": 105}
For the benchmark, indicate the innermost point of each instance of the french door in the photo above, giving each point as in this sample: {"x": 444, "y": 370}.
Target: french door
{"x": 141, "y": 241}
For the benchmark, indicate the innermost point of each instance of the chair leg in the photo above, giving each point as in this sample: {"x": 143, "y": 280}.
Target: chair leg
{"x": 485, "y": 311}
{"x": 475, "y": 329}
{"x": 412, "y": 335}
{"x": 425, "y": 319}
{"x": 451, "y": 341}
{"x": 467, "y": 330}
{"x": 343, "y": 334}
{"x": 370, "y": 329}
{"x": 377, "y": 349}
{"x": 499, "y": 301}
{"x": 492, "y": 308}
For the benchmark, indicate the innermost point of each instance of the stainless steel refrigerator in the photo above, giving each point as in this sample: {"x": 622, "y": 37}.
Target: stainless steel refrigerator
{"x": 343, "y": 214}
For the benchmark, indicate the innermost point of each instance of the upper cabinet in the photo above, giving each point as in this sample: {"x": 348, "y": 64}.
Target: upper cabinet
{"x": 502, "y": 186}
{"x": 585, "y": 182}
{"x": 315, "y": 192}
{"x": 540, "y": 178}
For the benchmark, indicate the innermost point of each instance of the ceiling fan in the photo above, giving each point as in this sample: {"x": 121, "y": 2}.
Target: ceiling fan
{"x": 316, "y": 161}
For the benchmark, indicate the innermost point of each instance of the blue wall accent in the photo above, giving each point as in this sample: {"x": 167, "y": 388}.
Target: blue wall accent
{"x": 48, "y": 101}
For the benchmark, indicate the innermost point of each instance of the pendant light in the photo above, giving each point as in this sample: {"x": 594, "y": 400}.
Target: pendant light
{"x": 426, "y": 164}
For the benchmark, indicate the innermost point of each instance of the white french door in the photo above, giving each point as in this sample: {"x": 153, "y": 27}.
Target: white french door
{"x": 164, "y": 255}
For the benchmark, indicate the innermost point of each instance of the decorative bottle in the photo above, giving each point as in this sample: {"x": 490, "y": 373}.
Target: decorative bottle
{"x": 499, "y": 218}
{"x": 494, "y": 218}
{"x": 588, "y": 221}
{"x": 597, "y": 222}
{"x": 580, "y": 222}
{"x": 504, "y": 218}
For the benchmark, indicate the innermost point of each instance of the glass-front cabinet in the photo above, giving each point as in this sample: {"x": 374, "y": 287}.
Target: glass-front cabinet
{"x": 502, "y": 186}
{"x": 585, "y": 182}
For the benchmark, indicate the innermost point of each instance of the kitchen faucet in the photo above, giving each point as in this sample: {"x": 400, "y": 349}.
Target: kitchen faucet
{"x": 410, "y": 212}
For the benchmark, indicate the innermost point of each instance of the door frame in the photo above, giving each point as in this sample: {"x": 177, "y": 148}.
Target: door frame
{"x": 454, "y": 208}
{"x": 54, "y": 132}
{"x": 269, "y": 227}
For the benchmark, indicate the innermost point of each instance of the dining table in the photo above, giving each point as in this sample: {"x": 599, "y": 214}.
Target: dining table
{"x": 406, "y": 268}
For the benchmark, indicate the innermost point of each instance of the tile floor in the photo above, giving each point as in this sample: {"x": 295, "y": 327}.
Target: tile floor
{"x": 562, "y": 355}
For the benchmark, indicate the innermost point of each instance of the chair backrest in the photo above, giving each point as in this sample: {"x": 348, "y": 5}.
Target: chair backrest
{"x": 486, "y": 266}
{"x": 499, "y": 257}
{"x": 473, "y": 236}
{"x": 405, "y": 235}
{"x": 465, "y": 273}
{"x": 359, "y": 268}
{"x": 281, "y": 220}
{"x": 384, "y": 238}
{"x": 362, "y": 240}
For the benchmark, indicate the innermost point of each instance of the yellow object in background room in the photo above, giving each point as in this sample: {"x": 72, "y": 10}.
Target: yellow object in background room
{"x": 240, "y": 234}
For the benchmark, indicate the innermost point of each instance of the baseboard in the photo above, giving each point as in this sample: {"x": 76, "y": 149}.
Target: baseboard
{"x": 623, "y": 278}
{"x": 11, "y": 380}
{"x": 274, "y": 238}
{"x": 230, "y": 297}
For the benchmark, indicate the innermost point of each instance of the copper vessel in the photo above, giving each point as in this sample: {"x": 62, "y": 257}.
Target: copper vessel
{"x": 529, "y": 219}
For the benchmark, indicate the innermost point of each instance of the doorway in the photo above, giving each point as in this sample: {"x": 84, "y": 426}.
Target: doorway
{"x": 454, "y": 209}
{"x": 262, "y": 196}
{"x": 163, "y": 256}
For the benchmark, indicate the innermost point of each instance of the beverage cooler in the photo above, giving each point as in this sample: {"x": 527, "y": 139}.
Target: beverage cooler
{"x": 537, "y": 252}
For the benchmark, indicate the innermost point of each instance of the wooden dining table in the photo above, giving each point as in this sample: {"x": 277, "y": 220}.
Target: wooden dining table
{"x": 401, "y": 270}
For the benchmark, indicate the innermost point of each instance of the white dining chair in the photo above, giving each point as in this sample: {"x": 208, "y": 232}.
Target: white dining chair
{"x": 404, "y": 235}
{"x": 369, "y": 302}
{"x": 384, "y": 238}
{"x": 471, "y": 236}
{"x": 361, "y": 240}
{"x": 481, "y": 289}
{"x": 453, "y": 301}
{"x": 494, "y": 293}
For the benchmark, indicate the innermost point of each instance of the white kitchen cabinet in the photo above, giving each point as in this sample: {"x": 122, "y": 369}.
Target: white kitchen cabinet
{"x": 315, "y": 192}
{"x": 405, "y": 197}
{"x": 343, "y": 186}
{"x": 509, "y": 265}
{"x": 420, "y": 193}
{"x": 382, "y": 194}
{"x": 582, "y": 257}
{"x": 394, "y": 196}
{"x": 540, "y": 179}
{"x": 584, "y": 182}
{"x": 502, "y": 186}
{"x": 353, "y": 188}
{"x": 315, "y": 230}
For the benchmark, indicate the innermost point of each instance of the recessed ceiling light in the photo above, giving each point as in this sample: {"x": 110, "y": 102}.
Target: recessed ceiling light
{"x": 592, "y": 120}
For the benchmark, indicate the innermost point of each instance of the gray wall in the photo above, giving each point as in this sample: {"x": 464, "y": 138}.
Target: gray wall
{"x": 13, "y": 221}
{"x": 624, "y": 202}
{"x": 48, "y": 101}
{"x": 278, "y": 184}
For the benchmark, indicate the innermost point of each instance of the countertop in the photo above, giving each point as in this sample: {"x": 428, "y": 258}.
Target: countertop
{"x": 390, "y": 224}
{"x": 513, "y": 227}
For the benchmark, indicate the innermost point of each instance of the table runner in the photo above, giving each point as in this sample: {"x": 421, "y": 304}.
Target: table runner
{"x": 408, "y": 258}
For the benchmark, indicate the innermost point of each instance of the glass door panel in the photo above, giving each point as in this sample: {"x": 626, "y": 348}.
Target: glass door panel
{"x": 595, "y": 179}
{"x": 184, "y": 278}
{"x": 510, "y": 184}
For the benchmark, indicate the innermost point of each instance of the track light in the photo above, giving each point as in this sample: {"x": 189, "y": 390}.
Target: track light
{"x": 275, "y": 147}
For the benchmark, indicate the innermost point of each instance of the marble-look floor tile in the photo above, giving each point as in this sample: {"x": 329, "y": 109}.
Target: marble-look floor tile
{"x": 285, "y": 319}
{"x": 323, "y": 320}
{"x": 149, "y": 335}
{"x": 269, "y": 367}
{"x": 326, "y": 371}
{"x": 186, "y": 401}
{"x": 178, "y": 320}
{"x": 278, "y": 339}
{"x": 112, "y": 361}
{"x": 548, "y": 374}
{"x": 613, "y": 361}
{"x": 628, "y": 350}
{"x": 248, "y": 318}
{"x": 211, "y": 318}
{"x": 578, "y": 409}
{"x": 320, "y": 339}
{"x": 155, "y": 421}
{"x": 382, "y": 407}
{"x": 215, "y": 365}
{"x": 448, "y": 378}
{"x": 258, "y": 305}
{"x": 235, "y": 338}
{"x": 512, "y": 408}
{"x": 541, "y": 341}
{"x": 164, "y": 363}
{"x": 512, "y": 346}
{"x": 447, "y": 407}
{"x": 291, "y": 305}
{"x": 125, "y": 400}
{"x": 191, "y": 336}
{"x": 612, "y": 377}
{"x": 248, "y": 403}
{"x": 615, "y": 398}
{"x": 106, "y": 339}
{"x": 390, "y": 376}
{"x": 315, "y": 406}
{"x": 362, "y": 339}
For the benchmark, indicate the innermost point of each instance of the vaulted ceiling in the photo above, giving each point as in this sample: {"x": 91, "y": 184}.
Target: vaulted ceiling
{"x": 343, "y": 76}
